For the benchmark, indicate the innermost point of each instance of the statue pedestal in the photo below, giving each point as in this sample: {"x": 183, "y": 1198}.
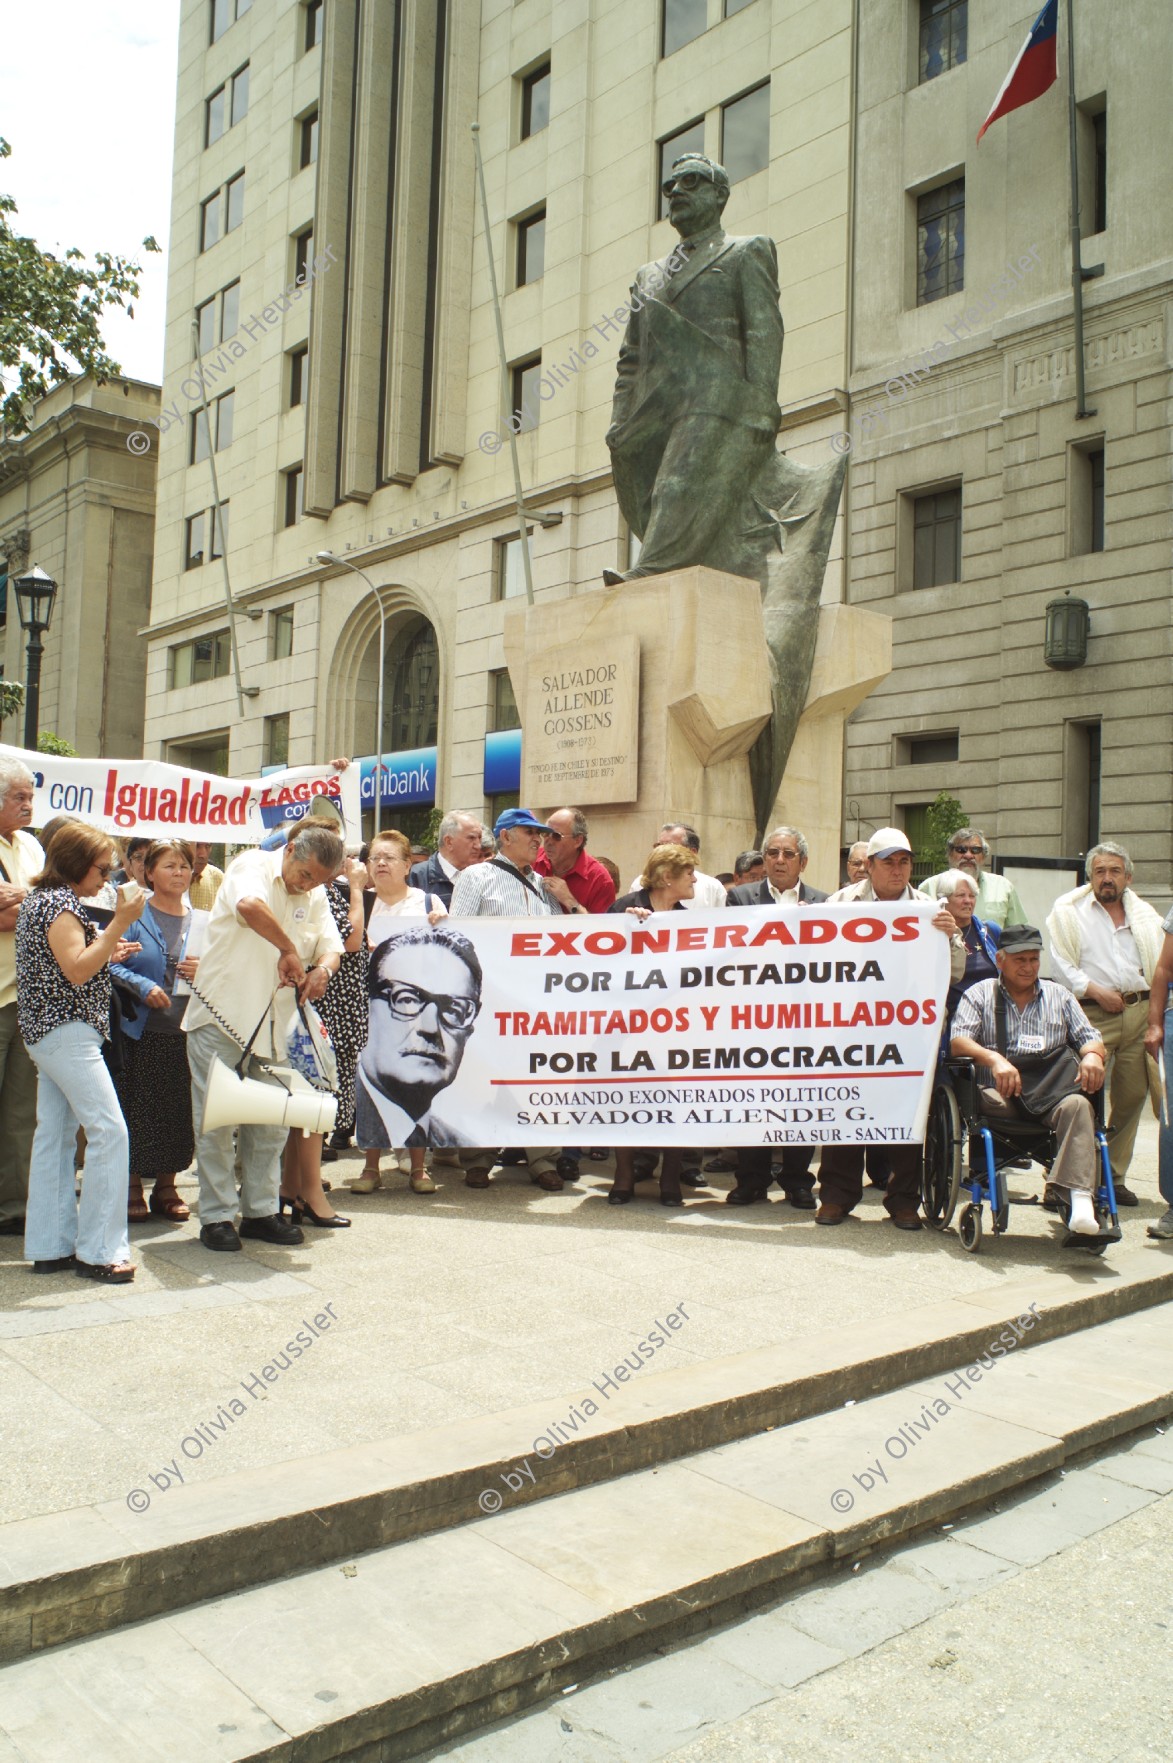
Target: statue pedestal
{"x": 639, "y": 704}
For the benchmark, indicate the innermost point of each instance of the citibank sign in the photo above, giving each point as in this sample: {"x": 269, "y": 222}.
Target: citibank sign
{"x": 408, "y": 779}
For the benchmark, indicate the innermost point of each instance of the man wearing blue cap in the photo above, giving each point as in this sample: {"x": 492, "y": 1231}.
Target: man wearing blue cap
{"x": 509, "y": 887}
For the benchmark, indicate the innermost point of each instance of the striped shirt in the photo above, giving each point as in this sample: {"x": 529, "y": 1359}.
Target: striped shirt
{"x": 1052, "y": 1019}
{"x": 500, "y": 890}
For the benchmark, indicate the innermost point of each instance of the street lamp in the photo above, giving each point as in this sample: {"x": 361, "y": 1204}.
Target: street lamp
{"x": 343, "y": 563}
{"x": 35, "y": 594}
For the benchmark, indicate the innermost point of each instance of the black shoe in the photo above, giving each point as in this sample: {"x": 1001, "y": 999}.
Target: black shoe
{"x": 339, "y": 1141}
{"x": 219, "y": 1236}
{"x": 672, "y": 1199}
{"x": 567, "y": 1168}
{"x": 62, "y": 1264}
{"x": 272, "y": 1230}
{"x": 802, "y": 1199}
{"x": 1125, "y": 1196}
{"x": 720, "y": 1166}
{"x": 511, "y": 1158}
{"x": 329, "y": 1154}
{"x": 335, "y": 1221}
{"x": 11, "y": 1227}
{"x": 620, "y": 1196}
{"x": 692, "y": 1178}
{"x": 744, "y": 1196}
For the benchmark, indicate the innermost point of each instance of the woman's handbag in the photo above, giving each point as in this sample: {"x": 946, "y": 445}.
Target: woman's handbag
{"x": 309, "y": 1049}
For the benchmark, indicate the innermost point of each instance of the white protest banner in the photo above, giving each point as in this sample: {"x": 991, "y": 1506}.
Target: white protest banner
{"x": 150, "y": 799}
{"x": 806, "y": 1025}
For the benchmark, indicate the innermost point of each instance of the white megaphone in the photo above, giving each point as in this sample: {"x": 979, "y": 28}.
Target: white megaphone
{"x": 232, "y": 1100}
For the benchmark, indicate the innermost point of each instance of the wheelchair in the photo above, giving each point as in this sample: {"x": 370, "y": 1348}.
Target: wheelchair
{"x": 966, "y": 1149}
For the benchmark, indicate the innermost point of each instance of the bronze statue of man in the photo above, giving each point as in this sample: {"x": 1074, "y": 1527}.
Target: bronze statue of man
{"x": 695, "y": 411}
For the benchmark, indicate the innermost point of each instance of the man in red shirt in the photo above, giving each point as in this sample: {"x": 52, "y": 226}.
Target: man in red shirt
{"x": 578, "y": 881}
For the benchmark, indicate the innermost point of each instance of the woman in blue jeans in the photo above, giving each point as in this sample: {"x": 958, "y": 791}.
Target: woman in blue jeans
{"x": 63, "y": 1008}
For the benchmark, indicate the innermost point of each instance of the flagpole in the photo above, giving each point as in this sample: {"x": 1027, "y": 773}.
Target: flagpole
{"x": 1078, "y": 274}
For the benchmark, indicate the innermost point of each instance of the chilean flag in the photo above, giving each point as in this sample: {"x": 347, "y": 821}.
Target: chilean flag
{"x": 1035, "y": 69}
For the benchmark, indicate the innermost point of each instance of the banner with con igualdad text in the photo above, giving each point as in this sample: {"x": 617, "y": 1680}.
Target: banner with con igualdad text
{"x": 150, "y": 799}
{"x": 804, "y": 1025}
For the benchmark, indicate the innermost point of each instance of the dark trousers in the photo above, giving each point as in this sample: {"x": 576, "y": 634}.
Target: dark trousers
{"x": 753, "y": 1167}
{"x": 841, "y": 1176}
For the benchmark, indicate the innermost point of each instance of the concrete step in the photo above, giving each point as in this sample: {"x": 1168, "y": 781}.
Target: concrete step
{"x": 95, "y": 1568}
{"x": 407, "y": 1646}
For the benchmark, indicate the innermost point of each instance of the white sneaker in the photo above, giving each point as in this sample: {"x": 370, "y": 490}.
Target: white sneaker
{"x": 1083, "y": 1214}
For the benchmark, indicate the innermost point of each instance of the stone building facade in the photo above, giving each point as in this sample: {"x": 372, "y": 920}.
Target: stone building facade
{"x": 327, "y": 242}
{"x": 78, "y": 501}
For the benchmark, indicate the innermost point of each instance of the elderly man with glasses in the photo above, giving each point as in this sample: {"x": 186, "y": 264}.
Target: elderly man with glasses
{"x": 997, "y": 899}
{"x": 425, "y": 995}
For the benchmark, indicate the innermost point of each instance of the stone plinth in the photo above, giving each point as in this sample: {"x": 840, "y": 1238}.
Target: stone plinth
{"x": 704, "y": 697}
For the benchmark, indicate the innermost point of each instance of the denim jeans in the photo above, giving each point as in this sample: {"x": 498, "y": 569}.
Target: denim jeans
{"x": 75, "y": 1089}
{"x": 1165, "y": 1141}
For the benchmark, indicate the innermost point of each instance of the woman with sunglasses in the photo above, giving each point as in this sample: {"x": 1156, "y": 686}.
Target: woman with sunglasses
{"x": 389, "y": 861}
{"x": 63, "y": 1009}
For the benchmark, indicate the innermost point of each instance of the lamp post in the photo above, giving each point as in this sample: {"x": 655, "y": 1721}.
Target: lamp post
{"x": 343, "y": 563}
{"x": 35, "y": 594}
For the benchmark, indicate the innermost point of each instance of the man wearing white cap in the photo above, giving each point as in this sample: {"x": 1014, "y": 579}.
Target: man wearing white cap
{"x": 889, "y": 877}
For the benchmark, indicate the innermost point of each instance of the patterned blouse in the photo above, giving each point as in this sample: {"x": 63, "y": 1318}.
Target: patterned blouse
{"x": 45, "y": 999}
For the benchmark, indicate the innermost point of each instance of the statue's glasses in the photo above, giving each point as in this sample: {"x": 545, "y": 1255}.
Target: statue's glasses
{"x": 687, "y": 181}
{"x": 407, "y": 1002}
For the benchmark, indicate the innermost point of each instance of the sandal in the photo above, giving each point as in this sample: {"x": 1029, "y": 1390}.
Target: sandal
{"x": 168, "y": 1205}
{"x": 117, "y": 1274}
{"x": 366, "y": 1184}
{"x": 137, "y": 1210}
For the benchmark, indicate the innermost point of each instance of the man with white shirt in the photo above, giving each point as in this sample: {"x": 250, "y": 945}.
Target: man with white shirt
{"x": 1105, "y": 945}
{"x": 457, "y": 847}
{"x": 21, "y": 858}
{"x": 785, "y": 853}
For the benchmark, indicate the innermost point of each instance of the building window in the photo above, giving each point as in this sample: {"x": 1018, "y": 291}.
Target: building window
{"x": 215, "y": 110}
{"x": 298, "y": 359}
{"x": 936, "y": 539}
{"x": 1086, "y": 498}
{"x": 503, "y": 712}
{"x": 525, "y": 394}
{"x": 1083, "y": 769}
{"x": 206, "y": 325}
{"x": 531, "y": 248}
{"x": 683, "y": 20}
{"x": 219, "y": 529}
{"x": 225, "y": 13}
{"x": 222, "y": 410}
{"x": 234, "y": 203}
{"x": 944, "y": 28}
{"x": 745, "y": 134}
{"x": 202, "y": 658}
{"x": 509, "y": 570}
{"x": 313, "y": 24}
{"x": 281, "y": 633}
{"x": 276, "y": 743}
{"x": 940, "y": 242}
{"x": 535, "y": 101}
{"x": 935, "y": 749}
{"x": 411, "y": 688}
{"x": 193, "y": 543}
{"x": 1100, "y": 172}
{"x": 303, "y": 254}
{"x": 732, "y": 6}
{"x": 307, "y": 152}
{"x": 690, "y": 139}
{"x": 210, "y": 221}
{"x": 229, "y": 311}
{"x": 239, "y": 96}
{"x": 294, "y": 504}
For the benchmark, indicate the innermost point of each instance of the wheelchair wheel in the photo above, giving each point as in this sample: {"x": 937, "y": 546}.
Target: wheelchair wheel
{"x": 941, "y": 1164}
{"x": 969, "y": 1228}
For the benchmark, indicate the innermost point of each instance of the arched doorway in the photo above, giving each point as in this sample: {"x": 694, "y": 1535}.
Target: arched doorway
{"x": 411, "y": 687}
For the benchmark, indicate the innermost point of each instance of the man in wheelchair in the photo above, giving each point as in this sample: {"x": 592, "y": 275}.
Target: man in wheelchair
{"x": 1038, "y": 1058}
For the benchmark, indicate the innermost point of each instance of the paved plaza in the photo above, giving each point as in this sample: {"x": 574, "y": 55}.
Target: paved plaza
{"x": 447, "y": 1307}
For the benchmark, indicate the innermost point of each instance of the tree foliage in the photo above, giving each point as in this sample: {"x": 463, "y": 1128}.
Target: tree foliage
{"x": 11, "y": 697}
{"x": 48, "y": 742}
{"x": 50, "y": 315}
{"x": 944, "y": 817}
